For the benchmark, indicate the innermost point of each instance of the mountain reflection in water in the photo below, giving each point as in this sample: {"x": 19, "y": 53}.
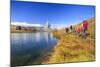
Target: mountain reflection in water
{"x": 26, "y": 46}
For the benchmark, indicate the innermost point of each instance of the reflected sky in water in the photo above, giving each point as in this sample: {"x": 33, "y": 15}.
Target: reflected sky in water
{"x": 34, "y": 44}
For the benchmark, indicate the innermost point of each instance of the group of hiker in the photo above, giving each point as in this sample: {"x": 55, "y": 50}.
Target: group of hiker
{"x": 80, "y": 30}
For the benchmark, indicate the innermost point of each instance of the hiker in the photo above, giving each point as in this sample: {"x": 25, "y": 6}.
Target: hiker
{"x": 71, "y": 27}
{"x": 78, "y": 31}
{"x": 84, "y": 28}
{"x": 66, "y": 30}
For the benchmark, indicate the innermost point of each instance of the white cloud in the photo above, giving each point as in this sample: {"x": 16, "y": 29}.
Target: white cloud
{"x": 25, "y": 24}
{"x": 60, "y": 26}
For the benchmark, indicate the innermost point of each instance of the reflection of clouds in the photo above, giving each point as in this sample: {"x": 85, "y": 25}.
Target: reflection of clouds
{"x": 37, "y": 37}
{"x": 31, "y": 39}
{"x": 24, "y": 36}
{"x": 33, "y": 43}
{"x": 15, "y": 37}
{"x": 47, "y": 36}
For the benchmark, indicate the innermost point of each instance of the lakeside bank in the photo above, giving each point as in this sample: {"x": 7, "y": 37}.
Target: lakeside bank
{"x": 73, "y": 48}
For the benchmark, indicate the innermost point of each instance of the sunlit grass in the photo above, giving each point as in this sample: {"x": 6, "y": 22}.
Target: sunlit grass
{"x": 72, "y": 48}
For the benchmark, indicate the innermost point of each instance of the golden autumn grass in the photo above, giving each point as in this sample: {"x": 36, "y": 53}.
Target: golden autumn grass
{"x": 73, "y": 48}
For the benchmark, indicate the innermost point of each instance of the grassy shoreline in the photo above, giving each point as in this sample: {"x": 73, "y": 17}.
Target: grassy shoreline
{"x": 72, "y": 48}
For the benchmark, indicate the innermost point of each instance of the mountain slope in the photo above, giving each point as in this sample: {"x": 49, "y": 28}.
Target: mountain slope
{"x": 73, "y": 48}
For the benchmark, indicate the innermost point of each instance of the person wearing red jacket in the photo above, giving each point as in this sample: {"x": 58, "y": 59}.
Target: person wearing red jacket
{"x": 84, "y": 28}
{"x": 78, "y": 30}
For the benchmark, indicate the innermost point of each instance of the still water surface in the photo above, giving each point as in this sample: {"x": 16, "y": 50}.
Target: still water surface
{"x": 26, "y": 47}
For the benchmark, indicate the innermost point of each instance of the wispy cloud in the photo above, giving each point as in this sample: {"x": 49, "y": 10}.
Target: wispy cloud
{"x": 26, "y": 24}
{"x": 60, "y": 26}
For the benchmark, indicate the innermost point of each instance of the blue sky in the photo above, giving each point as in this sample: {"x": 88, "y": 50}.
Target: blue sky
{"x": 59, "y": 15}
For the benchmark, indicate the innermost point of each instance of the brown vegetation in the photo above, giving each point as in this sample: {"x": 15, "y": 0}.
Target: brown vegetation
{"x": 72, "y": 48}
